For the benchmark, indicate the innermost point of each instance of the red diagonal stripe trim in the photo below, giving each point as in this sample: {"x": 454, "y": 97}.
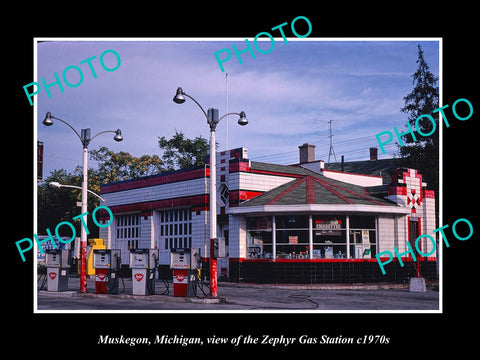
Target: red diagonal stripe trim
{"x": 356, "y": 194}
{"x": 310, "y": 191}
{"x": 329, "y": 188}
{"x": 288, "y": 190}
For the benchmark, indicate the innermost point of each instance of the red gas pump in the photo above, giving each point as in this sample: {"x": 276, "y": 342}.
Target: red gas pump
{"x": 101, "y": 281}
{"x": 184, "y": 264}
{"x": 180, "y": 283}
{"x": 106, "y": 263}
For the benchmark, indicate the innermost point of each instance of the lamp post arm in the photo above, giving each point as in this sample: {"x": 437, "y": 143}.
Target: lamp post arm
{"x": 78, "y": 187}
{"x": 70, "y": 126}
{"x": 232, "y": 113}
{"x": 102, "y": 132}
{"x": 200, "y": 106}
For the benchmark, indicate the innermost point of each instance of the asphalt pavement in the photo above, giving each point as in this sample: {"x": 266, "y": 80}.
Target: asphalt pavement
{"x": 242, "y": 297}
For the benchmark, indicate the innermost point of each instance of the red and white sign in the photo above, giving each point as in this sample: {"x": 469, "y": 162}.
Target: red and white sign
{"x": 180, "y": 281}
{"x": 52, "y": 275}
{"x": 100, "y": 277}
{"x": 138, "y": 277}
{"x": 293, "y": 239}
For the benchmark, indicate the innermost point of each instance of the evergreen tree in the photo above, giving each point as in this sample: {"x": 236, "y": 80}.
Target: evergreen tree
{"x": 422, "y": 154}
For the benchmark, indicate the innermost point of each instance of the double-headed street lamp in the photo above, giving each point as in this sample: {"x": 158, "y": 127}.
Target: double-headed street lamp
{"x": 212, "y": 120}
{"x": 85, "y": 139}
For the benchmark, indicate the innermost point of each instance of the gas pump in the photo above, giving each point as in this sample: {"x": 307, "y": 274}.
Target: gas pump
{"x": 57, "y": 262}
{"x": 184, "y": 263}
{"x": 143, "y": 263}
{"x": 106, "y": 263}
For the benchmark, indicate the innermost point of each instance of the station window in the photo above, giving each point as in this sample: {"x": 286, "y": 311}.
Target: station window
{"x": 128, "y": 230}
{"x": 176, "y": 228}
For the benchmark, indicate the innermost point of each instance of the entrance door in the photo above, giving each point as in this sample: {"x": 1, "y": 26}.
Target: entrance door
{"x": 413, "y": 234}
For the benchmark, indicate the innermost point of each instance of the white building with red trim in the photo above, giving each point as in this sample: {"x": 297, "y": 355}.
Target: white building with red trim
{"x": 305, "y": 223}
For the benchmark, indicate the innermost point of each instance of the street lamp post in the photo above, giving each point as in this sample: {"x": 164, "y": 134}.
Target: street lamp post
{"x": 85, "y": 140}
{"x": 212, "y": 120}
{"x": 58, "y": 185}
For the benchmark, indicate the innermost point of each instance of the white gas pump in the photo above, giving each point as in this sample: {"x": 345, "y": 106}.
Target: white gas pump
{"x": 57, "y": 262}
{"x": 184, "y": 264}
{"x": 106, "y": 263}
{"x": 143, "y": 263}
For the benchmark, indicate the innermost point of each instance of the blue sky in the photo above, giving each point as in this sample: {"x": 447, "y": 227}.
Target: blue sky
{"x": 289, "y": 95}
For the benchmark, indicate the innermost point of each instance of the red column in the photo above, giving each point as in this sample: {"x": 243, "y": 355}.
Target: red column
{"x": 213, "y": 272}
{"x": 83, "y": 273}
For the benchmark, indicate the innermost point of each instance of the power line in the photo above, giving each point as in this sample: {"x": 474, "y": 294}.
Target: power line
{"x": 355, "y": 146}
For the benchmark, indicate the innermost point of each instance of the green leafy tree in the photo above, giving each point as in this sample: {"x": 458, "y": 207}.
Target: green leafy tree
{"x": 56, "y": 205}
{"x": 120, "y": 166}
{"x": 422, "y": 154}
{"x": 182, "y": 153}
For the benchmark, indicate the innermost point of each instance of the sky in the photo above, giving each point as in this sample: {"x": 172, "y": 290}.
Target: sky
{"x": 288, "y": 94}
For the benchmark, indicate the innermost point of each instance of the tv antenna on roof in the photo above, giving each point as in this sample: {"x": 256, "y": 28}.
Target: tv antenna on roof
{"x": 331, "y": 151}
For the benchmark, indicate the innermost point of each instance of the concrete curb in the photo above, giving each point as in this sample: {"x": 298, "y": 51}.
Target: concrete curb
{"x": 377, "y": 286}
{"x": 57, "y": 293}
{"x": 194, "y": 300}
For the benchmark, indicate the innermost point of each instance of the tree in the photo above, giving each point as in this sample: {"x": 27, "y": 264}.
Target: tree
{"x": 57, "y": 205}
{"x": 182, "y": 153}
{"x": 123, "y": 166}
{"x": 423, "y": 99}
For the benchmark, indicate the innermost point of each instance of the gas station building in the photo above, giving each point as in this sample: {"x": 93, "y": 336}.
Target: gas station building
{"x": 306, "y": 223}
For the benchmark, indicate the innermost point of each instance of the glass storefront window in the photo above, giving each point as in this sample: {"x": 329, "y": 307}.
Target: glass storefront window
{"x": 362, "y": 222}
{"x": 259, "y": 237}
{"x": 329, "y": 237}
{"x": 362, "y": 237}
{"x": 362, "y": 244}
{"x": 259, "y": 245}
{"x": 292, "y": 237}
{"x": 292, "y": 244}
{"x": 292, "y": 222}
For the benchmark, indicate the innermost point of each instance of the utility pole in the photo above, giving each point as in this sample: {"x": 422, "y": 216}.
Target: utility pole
{"x": 226, "y": 125}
